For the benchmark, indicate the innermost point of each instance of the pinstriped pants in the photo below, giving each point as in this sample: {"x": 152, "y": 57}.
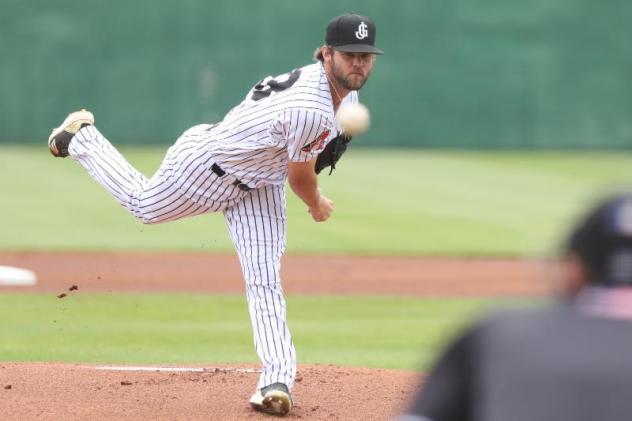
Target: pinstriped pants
{"x": 185, "y": 186}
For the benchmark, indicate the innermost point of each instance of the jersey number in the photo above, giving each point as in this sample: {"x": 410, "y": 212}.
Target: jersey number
{"x": 266, "y": 87}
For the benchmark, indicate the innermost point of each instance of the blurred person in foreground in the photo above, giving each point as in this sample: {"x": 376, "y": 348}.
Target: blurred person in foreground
{"x": 570, "y": 361}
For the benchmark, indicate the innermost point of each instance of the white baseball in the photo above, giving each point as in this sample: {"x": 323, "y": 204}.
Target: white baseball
{"x": 353, "y": 119}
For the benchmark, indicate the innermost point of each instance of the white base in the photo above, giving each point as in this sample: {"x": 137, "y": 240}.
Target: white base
{"x": 12, "y": 276}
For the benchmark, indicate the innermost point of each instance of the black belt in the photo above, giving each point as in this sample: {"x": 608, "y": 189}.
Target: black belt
{"x": 220, "y": 172}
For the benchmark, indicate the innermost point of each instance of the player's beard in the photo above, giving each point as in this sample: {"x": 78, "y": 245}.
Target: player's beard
{"x": 349, "y": 82}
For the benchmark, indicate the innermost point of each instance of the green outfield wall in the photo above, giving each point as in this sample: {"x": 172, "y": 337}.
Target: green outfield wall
{"x": 456, "y": 74}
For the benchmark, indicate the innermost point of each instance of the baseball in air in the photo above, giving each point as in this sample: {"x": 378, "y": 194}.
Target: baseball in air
{"x": 353, "y": 119}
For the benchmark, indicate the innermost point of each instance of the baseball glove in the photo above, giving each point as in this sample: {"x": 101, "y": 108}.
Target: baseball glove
{"x": 332, "y": 153}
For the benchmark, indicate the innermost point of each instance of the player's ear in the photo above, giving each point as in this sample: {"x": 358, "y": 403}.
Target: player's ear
{"x": 328, "y": 52}
{"x": 572, "y": 276}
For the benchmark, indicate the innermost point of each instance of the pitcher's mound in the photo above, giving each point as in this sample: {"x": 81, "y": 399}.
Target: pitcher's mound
{"x": 36, "y": 391}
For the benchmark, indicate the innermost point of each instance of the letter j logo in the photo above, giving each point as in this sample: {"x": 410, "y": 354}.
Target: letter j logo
{"x": 362, "y": 31}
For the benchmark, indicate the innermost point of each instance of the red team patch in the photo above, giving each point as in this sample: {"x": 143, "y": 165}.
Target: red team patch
{"x": 316, "y": 143}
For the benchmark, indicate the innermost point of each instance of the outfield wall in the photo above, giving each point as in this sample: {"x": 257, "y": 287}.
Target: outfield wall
{"x": 476, "y": 74}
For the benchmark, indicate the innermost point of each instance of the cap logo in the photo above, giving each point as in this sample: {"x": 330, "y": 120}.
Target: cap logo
{"x": 362, "y": 31}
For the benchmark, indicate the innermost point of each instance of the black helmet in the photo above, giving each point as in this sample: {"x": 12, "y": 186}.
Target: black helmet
{"x": 603, "y": 241}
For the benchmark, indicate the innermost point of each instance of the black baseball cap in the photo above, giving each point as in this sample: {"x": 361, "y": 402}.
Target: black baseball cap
{"x": 352, "y": 33}
{"x": 603, "y": 241}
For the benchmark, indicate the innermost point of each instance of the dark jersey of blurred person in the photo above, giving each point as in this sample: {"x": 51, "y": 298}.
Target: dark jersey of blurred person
{"x": 570, "y": 361}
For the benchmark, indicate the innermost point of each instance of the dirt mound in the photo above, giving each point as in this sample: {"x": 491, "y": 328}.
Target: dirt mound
{"x": 33, "y": 391}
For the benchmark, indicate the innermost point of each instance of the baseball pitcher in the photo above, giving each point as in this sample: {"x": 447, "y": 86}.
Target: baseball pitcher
{"x": 284, "y": 128}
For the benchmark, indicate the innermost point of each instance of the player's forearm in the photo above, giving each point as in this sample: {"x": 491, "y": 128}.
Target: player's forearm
{"x": 304, "y": 181}
{"x": 306, "y": 188}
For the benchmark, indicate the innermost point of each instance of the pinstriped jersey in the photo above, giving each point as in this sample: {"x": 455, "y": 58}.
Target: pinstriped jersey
{"x": 284, "y": 118}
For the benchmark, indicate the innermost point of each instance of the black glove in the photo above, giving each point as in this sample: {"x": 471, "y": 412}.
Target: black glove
{"x": 332, "y": 153}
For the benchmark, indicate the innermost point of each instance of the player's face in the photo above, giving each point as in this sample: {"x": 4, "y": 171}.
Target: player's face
{"x": 351, "y": 70}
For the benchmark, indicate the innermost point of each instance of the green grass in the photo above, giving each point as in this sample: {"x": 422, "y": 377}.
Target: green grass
{"x": 366, "y": 331}
{"x": 387, "y": 201}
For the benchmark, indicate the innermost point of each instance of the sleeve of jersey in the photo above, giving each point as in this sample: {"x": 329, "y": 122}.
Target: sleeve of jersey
{"x": 447, "y": 392}
{"x": 353, "y": 97}
{"x": 306, "y": 132}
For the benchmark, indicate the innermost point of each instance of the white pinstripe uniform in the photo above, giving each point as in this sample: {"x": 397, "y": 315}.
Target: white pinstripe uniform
{"x": 237, "y": 166}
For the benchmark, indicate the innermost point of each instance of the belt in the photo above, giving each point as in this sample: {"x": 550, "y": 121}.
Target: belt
{"x": 220, "y": 172}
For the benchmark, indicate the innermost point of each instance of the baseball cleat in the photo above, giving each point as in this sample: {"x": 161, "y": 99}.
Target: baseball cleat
{"x": 61, "y": 136}
{"x": 274, "y": 399}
